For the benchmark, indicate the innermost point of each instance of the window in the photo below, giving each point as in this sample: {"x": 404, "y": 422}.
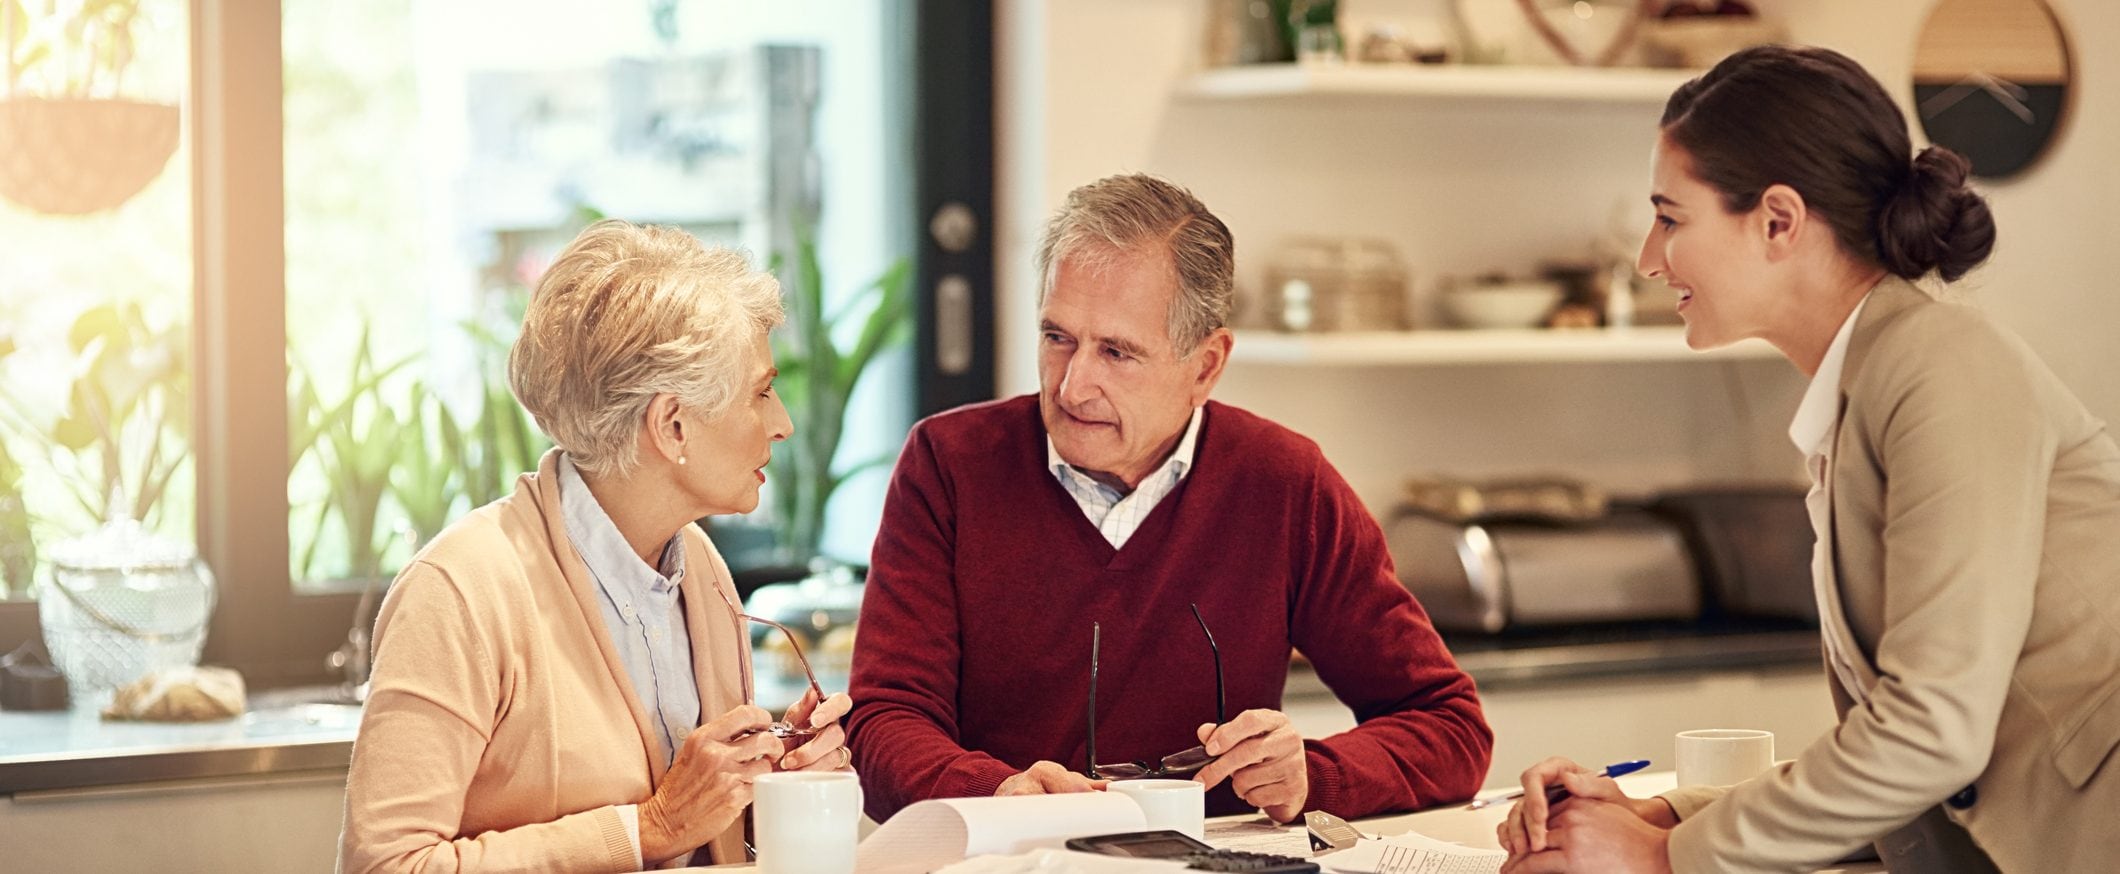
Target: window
{"x": 359, "y": 200}
{"x": 433, "y": 170}
{"x": 95, "y": 288}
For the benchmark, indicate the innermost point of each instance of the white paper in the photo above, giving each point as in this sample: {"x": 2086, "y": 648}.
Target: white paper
{"x": 1259, "y": 835}
{"x": 1413, "y": 853}
{"x": 1050, "y": 861}
{"x": 931, "y": 834}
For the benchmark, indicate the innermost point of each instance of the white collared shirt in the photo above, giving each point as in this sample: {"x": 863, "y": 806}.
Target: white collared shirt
{"x": 1117, "y": 516}
{"x": 1820, "y": 408}
{"x": 1817, "y": 420}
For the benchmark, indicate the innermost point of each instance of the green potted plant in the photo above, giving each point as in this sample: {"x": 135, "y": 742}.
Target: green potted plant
{"x": 124, "y": 432}
{"x": 354, "y": 441}
{"x": 502, "y": 443}
{"x": 822, "y": 357}
{"x": 74, "y": 145}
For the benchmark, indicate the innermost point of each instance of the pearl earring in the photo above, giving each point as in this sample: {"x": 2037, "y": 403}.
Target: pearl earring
{"x": 680, "y": 459}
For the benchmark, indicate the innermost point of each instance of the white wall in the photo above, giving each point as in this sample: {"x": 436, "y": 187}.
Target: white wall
{"x": 1461, "y": 187}
{"x": 2050, "y": 279}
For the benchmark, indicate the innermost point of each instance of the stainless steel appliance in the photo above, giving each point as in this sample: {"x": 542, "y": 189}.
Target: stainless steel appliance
{"x": 1754, "y": 548}
{"x": 1491, "y": 575}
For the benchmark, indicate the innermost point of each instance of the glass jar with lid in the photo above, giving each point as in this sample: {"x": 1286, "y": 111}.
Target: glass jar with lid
{"x": 1336, "y": 284}
{"x": 122, "y": 602}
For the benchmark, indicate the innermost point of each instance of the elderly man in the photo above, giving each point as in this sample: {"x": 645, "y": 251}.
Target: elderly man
{"x": 1102, "y": 538}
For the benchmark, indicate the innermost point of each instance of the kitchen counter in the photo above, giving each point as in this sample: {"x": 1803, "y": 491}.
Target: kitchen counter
{"x": 1499, "y": 662}
{"x": 282, "y": 732}
{"x": 1529, "y": 660}
{"x": 287, "y": 731}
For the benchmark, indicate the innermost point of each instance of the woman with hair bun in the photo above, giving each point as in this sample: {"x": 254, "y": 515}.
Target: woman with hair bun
{"x": 1967, "y": 508}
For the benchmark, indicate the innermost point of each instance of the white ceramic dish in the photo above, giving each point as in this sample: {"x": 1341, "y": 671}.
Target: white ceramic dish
{"x": 1516, "y": 304}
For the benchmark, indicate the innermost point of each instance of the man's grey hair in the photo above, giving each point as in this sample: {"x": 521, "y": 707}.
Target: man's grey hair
{"x": 1136, "y": 213}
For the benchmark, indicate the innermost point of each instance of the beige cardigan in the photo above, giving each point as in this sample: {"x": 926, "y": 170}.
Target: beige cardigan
{"x": 501, "y": 732}
{"x": 1976, "y": 556}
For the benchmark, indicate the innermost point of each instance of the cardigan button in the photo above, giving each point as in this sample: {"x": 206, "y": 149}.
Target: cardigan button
{"x": 1965, "y": 798}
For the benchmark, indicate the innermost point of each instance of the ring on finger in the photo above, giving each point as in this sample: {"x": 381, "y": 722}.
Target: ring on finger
{"x": 846, "y": 758}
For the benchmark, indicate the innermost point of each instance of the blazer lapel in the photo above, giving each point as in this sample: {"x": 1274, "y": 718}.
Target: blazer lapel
{"x": 583, "y": 587}
{"x": 1892, "y": 296}
{"x": 1832, "y": 606}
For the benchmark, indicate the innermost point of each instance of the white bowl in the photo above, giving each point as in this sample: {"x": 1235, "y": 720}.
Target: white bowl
{"x": 1519, "y": 304}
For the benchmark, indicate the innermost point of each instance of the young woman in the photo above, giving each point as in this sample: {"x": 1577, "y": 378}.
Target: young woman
{"x": 1967, "y": 508}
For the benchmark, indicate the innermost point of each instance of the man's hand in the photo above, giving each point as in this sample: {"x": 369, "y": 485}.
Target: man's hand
{"x": 1591, "y": 835}
{"x": 1047, "y": 778}
{"x": 1261, "y": 756}
{"x": 708, "y": 785}
{"x": 826, "y": 750}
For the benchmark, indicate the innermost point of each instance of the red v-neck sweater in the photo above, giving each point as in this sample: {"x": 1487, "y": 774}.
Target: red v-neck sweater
{"x": 972, "y": 660}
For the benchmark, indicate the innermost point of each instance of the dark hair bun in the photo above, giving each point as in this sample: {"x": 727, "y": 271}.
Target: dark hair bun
{"x": 1935, "y": 222}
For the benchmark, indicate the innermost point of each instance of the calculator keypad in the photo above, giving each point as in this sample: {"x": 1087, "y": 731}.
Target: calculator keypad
{"x": 1259, "y": 863}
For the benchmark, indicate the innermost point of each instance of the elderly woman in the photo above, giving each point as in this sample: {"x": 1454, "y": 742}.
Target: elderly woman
{"x": 561, "y": 678}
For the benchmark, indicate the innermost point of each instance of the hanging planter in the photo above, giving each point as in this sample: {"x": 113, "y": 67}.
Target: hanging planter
{"x": 70, "y": 143}
{"x": 74, "y": 156}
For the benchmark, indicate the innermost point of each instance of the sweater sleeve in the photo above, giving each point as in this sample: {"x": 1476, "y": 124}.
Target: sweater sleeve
{"x": 903, "y": 729}
{"x": 1420, "y": 738}
{"x": 433, "y": 703}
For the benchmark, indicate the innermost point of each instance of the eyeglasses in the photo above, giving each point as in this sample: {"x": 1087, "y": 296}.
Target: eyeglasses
{"x": 783, "y": 728}
{"x": 1176, "y": 764}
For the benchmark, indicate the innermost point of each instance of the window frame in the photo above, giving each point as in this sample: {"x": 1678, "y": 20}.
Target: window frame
{"x": 260, "y": 627}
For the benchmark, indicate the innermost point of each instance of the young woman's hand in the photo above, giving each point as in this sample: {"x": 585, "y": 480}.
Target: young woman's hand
{"x": 1587, "y": 834}
{"x": 1523, "y": 831}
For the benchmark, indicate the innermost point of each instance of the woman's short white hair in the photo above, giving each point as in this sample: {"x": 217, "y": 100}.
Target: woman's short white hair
{"x": 628, "y": 312}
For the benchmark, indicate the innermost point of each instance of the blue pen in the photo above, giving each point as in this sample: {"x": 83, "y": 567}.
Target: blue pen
{"x": 1556, "y": 792}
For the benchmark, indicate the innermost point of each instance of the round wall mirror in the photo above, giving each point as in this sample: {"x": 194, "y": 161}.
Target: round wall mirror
{"x": 1991, "y": 81}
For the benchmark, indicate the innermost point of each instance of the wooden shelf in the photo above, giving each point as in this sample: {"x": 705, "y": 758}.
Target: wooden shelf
{"x": 1442, "y": 347}
{"x": 1626, "y": 85}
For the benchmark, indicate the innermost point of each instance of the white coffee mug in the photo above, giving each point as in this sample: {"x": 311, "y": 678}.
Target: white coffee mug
{"x": 1178, "y": 805}
{"x": 1722, "y": 756}
{"x": 806, "y": 822}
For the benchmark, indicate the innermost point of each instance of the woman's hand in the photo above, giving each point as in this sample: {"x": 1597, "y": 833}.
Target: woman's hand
{"x": 1523, "y": 831}
{"x": 708, "y": 785}
{"x": 1603, "y": 836}
{"x": 827, "y": 749}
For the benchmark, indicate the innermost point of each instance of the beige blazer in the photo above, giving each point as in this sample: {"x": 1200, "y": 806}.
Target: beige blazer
{"x": 1976, "y": 558}
{"x": 501, "y": 731}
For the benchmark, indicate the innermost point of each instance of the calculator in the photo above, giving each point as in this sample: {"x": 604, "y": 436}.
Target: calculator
{"x": 1167, "y": 844}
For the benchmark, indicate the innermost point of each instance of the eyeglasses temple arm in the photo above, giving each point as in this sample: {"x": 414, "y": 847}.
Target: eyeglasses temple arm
{"x": 800, "y": 659}
{"x": 1096, "y": 635}
{"x": 1221, "y": 701}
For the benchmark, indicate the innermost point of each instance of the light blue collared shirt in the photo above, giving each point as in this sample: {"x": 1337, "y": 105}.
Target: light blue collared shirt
{"x": 643, "y": 609}
{"x": 1117, "y": 516}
